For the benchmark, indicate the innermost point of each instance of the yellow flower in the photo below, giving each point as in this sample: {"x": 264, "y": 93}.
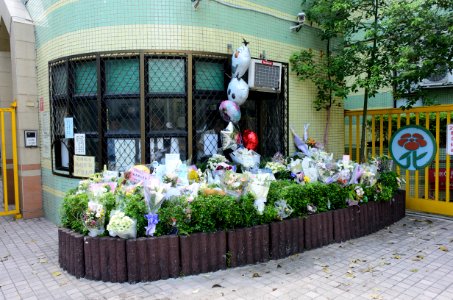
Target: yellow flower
{"x": 306, "y": 179}
{"x": 193, "y": 175}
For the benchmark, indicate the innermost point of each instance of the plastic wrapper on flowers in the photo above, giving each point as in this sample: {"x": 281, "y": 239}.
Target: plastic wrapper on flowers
{"x": 283, "y": 209}
{"x": 258, "y": 186}
{"x": 94, "y": 218}
{"x": 234, "y": 183}
{"x": 121, "y": 225}
{"x": 248, "y": 159}
{"x": 275, "y": 167}
{"x": 154, "y": 194}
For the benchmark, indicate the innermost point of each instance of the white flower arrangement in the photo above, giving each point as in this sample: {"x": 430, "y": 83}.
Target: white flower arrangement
{"x": 246, "y": 158}
{"x": 94, "y": 217}
{"x": 275, "y": 167}
{"x": 122, "y": 225}
{"x": 216, "y": 160}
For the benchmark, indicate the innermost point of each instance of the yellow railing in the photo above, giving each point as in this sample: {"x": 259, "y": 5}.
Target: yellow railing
{"x": 427, "y": 190}
{"x": 8, "y": 138}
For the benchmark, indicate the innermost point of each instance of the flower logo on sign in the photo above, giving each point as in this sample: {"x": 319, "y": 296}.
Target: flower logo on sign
{"x": 413, "y": 147}
{"x": 412, "y": 141}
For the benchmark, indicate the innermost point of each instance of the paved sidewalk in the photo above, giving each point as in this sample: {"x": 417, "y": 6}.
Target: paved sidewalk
{"x": 412, "y": 259}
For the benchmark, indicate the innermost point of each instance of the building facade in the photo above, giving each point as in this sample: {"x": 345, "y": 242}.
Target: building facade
{"x": 137, "y": 79}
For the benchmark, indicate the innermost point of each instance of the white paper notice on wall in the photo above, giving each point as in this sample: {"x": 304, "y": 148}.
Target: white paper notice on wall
{"x": 68, "y": 128}
{"x": 449, "y": 139}
{"x": 79, "y": 144}
{"x": 83, "y": 166}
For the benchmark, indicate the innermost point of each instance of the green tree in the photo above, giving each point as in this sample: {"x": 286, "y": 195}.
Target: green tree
{"x": 418, "y": 37}
{"x": 384, "y": 44}
{"x": 327, "y": 70}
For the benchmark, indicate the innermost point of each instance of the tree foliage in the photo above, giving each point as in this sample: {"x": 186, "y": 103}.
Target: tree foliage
{"x": 326, "y": 70}
{"x": 384, "y": 43}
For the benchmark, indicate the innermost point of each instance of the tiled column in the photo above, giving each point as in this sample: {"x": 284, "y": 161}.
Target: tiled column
{"x": 24, "y": 91}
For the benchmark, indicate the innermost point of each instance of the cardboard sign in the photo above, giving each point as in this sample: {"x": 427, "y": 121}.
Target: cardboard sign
{"x": 83, "y": 166}
{"x": 96, "y": 186}
{"x": 137, "y": 176}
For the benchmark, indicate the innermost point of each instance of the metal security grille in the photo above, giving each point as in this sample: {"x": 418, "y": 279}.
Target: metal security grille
{"x": 274, "y": 122}
{"x": 136, "y": 107}
{"x": 209, "y": 89}
{"x": 120, "y": 110}
{"x": 166, "y": 106}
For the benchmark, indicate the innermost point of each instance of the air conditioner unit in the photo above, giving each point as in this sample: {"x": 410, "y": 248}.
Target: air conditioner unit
{"x": 265, "y": 76}
{"x": 439, "y": 78}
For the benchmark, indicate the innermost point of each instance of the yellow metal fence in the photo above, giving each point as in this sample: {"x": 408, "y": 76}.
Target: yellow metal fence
{"x": 9, "y": 172}
{"x": 427, "y": 190}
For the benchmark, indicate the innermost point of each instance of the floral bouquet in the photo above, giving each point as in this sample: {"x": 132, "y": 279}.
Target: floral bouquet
{"x": 258, "y": 186}
{"x": 275, "y": 167}
{"x": 94, "y": 218}
{"x": 383, "y": 164}
{"x": 171, "y": 178}
{"x": 122, "y": 225}
{"x": 194, "y": 174}
{"x": 154, "y": 193}
{"x": 283, "y": 209}
{"x": 234, "y": 183}
{"x": 356, "y": 195}
{"x": 218, "y": 162}
{"x": 248, "y": 159}
{"x": 369, "y": 175}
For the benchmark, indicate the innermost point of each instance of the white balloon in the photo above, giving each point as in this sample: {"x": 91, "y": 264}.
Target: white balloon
{"x": 240, "y": 61}
{"x": 238, "y": 91}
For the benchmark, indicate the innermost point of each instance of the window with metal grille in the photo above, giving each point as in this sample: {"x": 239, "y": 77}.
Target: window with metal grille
{"x": 136, "y": 107}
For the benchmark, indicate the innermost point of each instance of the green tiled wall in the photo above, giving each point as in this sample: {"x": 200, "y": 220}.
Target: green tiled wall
{"x": 69, "y": 27}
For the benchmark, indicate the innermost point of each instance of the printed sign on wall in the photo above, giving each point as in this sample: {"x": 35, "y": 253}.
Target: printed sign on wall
{"x": 413, "y": 147}
{"x": 79, "y": 144}
{"x": 68, "y": 128}
{"x": 450, "y": 139}
{"x": 83, "y": 166}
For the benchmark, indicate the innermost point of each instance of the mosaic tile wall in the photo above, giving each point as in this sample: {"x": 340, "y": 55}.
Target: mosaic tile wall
{"x": 69, "y": 27}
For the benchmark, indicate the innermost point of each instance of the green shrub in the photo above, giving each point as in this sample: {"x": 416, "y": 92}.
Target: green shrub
{"x": 276, "y": 189}
{"x": 387, "y": 186}
{"x": 109, "y": 202}
{"x": 135, "y": 207}
{"x": 297, "y": 197}
{"x": 336, "y": 195}
{"x": 174, "y": 214}
{"x": 72, "y": 210}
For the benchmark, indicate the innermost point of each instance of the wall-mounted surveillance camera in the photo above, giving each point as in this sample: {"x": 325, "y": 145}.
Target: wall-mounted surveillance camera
{"x": 301, "y": 17}
{"x": 296, "y": 27}
{"x": 299, "y": 23}
{"x": 195, "y": 3}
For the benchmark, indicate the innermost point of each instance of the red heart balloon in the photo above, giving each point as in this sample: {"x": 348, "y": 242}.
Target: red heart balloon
{"x": 250, "y": 139}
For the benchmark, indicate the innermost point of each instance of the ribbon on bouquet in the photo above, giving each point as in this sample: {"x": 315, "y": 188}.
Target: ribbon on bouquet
{"x": 153, "y": 219}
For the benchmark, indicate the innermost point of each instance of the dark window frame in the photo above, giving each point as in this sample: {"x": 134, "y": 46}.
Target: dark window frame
{"x": 102, "y": 134}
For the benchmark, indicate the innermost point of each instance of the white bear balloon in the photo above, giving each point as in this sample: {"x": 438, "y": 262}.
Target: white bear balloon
{"x": 238, "y": 91}
{"x": 241, "y": 60}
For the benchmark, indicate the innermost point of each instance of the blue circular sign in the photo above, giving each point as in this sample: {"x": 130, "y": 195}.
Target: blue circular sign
{"x": 413, "y": 147}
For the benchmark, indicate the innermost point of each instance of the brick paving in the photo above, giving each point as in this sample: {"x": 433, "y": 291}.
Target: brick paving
{"x": 412, "y": 259}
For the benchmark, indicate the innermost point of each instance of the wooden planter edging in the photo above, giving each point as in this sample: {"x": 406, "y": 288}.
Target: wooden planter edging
{"x": 154, "y": 258}
{"x": 150, "y": 259}
{"x": 203, "y": 252}
{"x": 248, "y": 245}
{"x": 287, "y": 237}
{"x": 318, "y": 230}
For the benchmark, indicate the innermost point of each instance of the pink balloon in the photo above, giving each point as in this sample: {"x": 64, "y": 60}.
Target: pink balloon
{"x": 230, "y": 111}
